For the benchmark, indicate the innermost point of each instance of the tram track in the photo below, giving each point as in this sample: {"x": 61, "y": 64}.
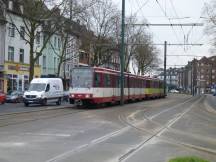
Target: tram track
{"x": 158, "y": 133}
{"x": 135, "y": 126}
{"x": 16, "y": 118}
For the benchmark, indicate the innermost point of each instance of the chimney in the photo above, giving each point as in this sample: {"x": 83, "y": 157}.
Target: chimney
{"x": 10, "y": 5}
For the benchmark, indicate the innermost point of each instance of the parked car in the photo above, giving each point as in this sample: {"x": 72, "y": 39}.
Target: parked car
{"x": 2, "y": 98}
{"x": 174, "y": 91}
{"x": 15, "y": 97}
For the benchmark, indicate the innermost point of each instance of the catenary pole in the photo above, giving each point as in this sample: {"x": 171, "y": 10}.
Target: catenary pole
{"x": 165, "y": 58}
{"x": 122, "y": 51}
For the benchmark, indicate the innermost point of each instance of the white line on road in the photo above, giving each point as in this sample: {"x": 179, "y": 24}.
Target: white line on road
{"x": 48, "y": 134}
{"x": 171, "y": 108}
{"x": 93, "y": 142}
{"x": 170, "y": 123}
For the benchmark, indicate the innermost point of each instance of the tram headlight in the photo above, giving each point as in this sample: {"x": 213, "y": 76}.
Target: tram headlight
{"x": 87, "y": 96}
{"x": 72, "y": 95}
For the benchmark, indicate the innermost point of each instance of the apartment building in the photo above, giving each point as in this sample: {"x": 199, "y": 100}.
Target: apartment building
{"x": 14, "y": 48}
{"x": 2, "y": 43}
{"x": 198, "y": 76}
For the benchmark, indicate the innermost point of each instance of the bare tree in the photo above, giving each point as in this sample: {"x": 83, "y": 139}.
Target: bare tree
{"x": 133, "y": 35}
{"x": 38, "y": 20}
{"x": 101, "y": 19}
{"x": 210, "y": 19}
{"x": 146, "y": 55}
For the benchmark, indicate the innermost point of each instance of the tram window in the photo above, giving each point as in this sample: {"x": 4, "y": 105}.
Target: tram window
{"x": 152, "y": 84}
{"x": 118, "y": 81}
{"x": 107, "y": 80}
{"x": 147, "y": 83}
{"x": 97, "y": 80}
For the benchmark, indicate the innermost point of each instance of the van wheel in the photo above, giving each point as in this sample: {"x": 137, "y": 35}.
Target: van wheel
{"x": 58, "y": 102}
{"x": 44, "y": 102}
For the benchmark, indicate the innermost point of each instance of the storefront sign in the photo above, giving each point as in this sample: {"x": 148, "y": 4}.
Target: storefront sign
{"x": 18, "y": 68}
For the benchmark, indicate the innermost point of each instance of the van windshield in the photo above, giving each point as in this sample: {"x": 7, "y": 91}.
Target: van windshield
{"x": 37, "y": 87}
{"x": 82, "y": 78}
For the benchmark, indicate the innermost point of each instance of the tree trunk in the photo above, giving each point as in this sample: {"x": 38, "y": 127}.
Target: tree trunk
{"x": 59, "y": 68}
{"x": 31, "y": 61}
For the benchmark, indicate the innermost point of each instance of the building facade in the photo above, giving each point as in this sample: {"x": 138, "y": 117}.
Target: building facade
{"x": 15, "y": 49}
{"x": 2, "y": 43}
{"x": 171, "y": 77}
{"x": 198, "y": 76}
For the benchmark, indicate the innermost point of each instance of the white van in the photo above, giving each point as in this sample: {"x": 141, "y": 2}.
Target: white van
{"x": 43, "y": 90}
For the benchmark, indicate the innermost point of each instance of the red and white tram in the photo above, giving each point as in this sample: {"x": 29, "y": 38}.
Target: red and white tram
{"x": 95, "y": 85}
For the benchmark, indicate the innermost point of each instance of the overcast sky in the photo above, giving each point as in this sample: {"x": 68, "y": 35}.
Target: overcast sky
{"x": 173, "y": 9}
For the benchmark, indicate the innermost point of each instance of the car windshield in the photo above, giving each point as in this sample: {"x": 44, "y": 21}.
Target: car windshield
{"x": 37, "y": 87}
{"x": 82, "y": 78}
{"x": 14, "y": 93}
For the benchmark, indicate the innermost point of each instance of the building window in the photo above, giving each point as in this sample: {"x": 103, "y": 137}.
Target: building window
{"x": 12, "y": 82}
{"x": 38, "y": 38}
{"x": 11, "y": 30}
{"x": 44, "y": 62}
{"x": 22, "y": 32}
{"x": 10, "y": 53}
{"x": 21, "y": 56}
{"x": 213, "y": 77}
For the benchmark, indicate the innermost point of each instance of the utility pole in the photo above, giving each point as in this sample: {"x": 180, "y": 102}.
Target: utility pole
{"x": 192, "y": 93}
{"x": 122, "y": 51}
{"x": 165, "y": 53}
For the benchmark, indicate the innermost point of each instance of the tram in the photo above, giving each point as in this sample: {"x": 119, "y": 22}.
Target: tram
{"x": 96, "y": 85}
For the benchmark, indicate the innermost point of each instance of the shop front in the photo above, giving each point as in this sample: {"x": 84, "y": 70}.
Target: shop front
{"x": 17, "y": 76}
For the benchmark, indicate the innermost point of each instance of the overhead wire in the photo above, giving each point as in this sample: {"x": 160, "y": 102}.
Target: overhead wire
{"x": 161, "y": 8}
{"x": 141, "y": 6}
{"x": 141, "y": 9}
{"x": 175, "y": 11}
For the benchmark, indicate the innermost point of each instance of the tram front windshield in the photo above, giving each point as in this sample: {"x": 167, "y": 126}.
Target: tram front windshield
{"x": 82, "y": 78}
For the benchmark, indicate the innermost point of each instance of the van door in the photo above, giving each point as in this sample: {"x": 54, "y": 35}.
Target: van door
{"x": 47, "y": 91}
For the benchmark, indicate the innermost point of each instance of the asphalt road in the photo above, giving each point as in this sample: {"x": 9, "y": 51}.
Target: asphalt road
{"x": 19, "y": 107}
{"x": 149, "y": 131}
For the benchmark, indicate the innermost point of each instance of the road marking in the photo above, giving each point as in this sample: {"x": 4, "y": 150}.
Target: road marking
{"x": 93, "y": 142}
{"x": 171, "y": 108}
{"x": 48, "y": 134}
{"x": 157, "y": 134}
{"x": 12, "y": 144}
{"x": 209, "y": 108}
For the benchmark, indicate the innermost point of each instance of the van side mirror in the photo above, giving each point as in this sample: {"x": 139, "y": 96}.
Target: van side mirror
{"x": 47, "y": 88}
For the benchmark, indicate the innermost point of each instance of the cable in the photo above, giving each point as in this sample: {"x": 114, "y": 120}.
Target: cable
{"x": 169, "y": 21}
{"x": 140, "y": 9}
{"x": 141, "y": 6}
{"x": 174, "y": 9}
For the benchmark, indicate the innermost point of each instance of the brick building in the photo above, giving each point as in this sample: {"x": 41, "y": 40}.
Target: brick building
{"x": 198, "y": 76}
